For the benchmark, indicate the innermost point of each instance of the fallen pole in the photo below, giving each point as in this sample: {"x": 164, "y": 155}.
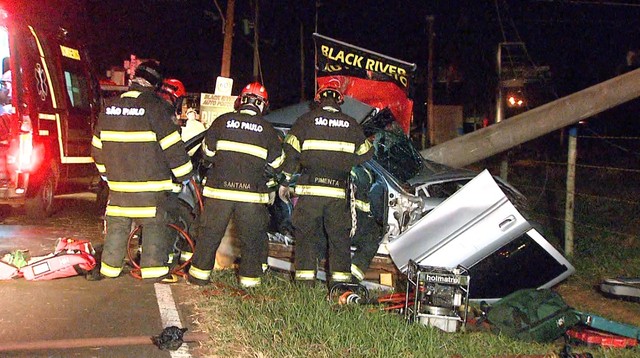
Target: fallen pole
{"x": 91, "y": 342}
{"x": 486, "y": 142}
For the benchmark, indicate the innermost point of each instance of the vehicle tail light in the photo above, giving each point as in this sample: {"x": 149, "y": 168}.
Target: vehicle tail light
{"x": 21, "y": 155}
{"x": 25, "y": 152}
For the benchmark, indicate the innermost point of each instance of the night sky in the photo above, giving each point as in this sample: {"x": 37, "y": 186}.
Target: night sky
{"x": 583, "y": 42}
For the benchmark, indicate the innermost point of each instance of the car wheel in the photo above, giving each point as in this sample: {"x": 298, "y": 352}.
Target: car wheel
{"x": 43, "y": 204}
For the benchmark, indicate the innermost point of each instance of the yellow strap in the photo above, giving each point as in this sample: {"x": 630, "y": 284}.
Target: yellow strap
{"x": 182, "y": 170}
{"x": 328, "y": 145}
{"x": 131, "y": 94}
{"x": 337, "y": 193}
{"x": 96, "y": 142}
{"x": 110, "y": 271}
{"x": 305, "y": 275}
{"x": 199, "y": 274}
{"x": 127, "y": 137}
{"x": 145, "y": 186}
{"x": 276, "y": 163}
{"x": 363, "y": 206}
{"x": 364, "y": 148}
{"x": 231, "y": 146}
{"x": 339, "y": 276}
{"x": 131, "y": 212}
{"x": 170, "y": 140}
{"x": 154, "y": 272}
{"x": 293, "y": 141}
{"x": 236, "y": 195}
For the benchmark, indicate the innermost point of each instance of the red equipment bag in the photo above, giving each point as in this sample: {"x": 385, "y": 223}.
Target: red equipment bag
{"x": 587, "y": 335}
{"x": 72, "y": 257}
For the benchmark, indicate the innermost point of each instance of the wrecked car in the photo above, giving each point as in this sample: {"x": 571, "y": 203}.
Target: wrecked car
{"x": 440, "y": 216}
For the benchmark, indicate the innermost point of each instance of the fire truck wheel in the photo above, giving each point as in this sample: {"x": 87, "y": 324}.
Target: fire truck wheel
{"x": 42, "y": 204}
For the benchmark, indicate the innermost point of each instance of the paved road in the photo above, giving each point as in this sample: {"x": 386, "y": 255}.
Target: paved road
{"x": 74, "y": 312}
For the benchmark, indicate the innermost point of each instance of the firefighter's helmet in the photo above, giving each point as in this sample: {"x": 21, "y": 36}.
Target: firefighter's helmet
{"x": 253, "y": 96}
{"x": 149, "y": 70}
{"x": 330, "y": 90}
{"x": 174, "y": 89}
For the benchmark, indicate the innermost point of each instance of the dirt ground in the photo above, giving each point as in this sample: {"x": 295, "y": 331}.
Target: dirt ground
{"x": 594, "y": 302}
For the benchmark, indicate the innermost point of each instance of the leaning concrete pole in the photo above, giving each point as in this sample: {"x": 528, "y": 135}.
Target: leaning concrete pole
{"x": 537, "y": 122}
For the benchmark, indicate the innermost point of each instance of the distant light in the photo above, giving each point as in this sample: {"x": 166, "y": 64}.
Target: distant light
{"x": 514, "y": 101}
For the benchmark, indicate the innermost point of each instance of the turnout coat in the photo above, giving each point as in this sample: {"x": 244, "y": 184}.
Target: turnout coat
{"x": 138, "y": 149}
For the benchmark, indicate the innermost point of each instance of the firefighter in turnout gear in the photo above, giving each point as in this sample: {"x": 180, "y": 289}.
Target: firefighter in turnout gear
{"x": 245, "y": 151}
{"x": 366, "y": 238}
{"x": 139, "y": 153}
{"x": 322, "y": 146}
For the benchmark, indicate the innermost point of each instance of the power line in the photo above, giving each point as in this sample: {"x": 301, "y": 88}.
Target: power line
{"x": 593, "y": 2}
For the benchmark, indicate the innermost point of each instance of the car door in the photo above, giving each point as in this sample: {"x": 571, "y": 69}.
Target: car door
{"x": 479, "y": 229}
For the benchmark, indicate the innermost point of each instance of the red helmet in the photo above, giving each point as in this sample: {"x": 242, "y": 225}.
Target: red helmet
{"x": 174, "y": 88}
{"x": 330, "y": 89}
{"x": 253, "y": 96}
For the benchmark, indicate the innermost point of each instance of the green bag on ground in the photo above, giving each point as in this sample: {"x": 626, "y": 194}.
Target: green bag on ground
{"x": 532, "y": 315}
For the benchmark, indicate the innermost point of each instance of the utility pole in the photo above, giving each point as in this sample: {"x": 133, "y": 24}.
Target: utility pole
{"x": 483, "y": 143}
{"x": 228, "y": 40}
{"x": 256, "y": 52}
{"x": 302, "y": 96}
{"x": 430, "y": 120}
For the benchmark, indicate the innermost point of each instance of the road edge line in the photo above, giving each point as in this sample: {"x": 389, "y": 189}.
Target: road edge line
{"x": 169, "y": 315}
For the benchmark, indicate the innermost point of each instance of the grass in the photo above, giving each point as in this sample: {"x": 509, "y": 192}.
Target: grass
{"x": 282, "y": 320}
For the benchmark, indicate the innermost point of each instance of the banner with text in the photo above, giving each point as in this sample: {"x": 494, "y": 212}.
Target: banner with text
{"x": 214, "y": 105}
{"x": 339, "y": 58}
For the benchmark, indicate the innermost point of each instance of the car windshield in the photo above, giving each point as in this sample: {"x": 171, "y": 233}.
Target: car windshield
{"x": 395, "y": 152}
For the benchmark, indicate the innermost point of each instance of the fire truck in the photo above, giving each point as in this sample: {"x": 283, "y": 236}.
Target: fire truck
{"x": 49, "y": 102}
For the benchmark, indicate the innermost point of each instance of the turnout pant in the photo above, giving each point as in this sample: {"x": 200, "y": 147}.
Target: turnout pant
{"x": 313, "y": 217}
{"x": 251, "y": 221}
{"x": 156, "y": 242}
{"x": 366, "y": 242}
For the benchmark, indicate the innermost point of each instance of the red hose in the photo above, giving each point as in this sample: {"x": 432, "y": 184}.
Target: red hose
{"x": 198, "y": 194}
{"x": 135, "y": 272}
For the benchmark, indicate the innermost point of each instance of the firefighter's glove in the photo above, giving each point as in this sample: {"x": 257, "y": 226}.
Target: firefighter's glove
{"x": 284, "y": 192}
{"x": 272, "y": 197}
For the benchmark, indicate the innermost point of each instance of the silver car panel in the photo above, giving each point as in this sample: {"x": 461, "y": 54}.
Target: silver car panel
{"x": 470, "y": 226}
